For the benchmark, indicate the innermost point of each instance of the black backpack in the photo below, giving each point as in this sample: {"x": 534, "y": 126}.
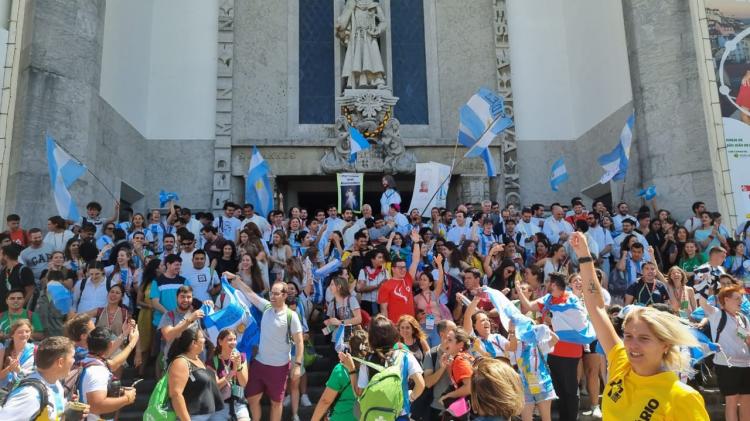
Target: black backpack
{"x": 31, "y": 382}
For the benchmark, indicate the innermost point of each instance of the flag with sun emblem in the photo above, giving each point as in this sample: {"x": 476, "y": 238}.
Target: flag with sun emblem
{"x": 258, "y": 186}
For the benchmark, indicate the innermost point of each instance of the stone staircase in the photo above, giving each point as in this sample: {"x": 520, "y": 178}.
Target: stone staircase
{"x": 317, "y": 374}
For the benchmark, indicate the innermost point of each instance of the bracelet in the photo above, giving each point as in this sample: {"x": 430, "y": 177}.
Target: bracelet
{"x": 585, "y": 259}
{"x": 353, "y": 372}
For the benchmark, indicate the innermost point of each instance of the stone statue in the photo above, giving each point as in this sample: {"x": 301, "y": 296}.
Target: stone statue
{"x": 359, "y": 27}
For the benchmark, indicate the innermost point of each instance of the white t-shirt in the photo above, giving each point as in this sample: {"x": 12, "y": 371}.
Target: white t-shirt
{"x": 259, "y": 221}
{"x": 95, "y": 379}
{"x": 227, "y": 227}
{"x": 58, "y": 241}
{"x": 187, "y": 258}
{"x": 93, "y": 296}
{"x": 733, "y": 346}
{"x": 24, "y": 403}
{"x": 201, "y": 280}
{"x": 455, "y": 233}
{"x": 377, "y": 280}
{"x": 274, "y": 349}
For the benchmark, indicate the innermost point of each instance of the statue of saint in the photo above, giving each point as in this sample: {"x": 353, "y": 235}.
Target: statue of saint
{"x": 358, "y": 28}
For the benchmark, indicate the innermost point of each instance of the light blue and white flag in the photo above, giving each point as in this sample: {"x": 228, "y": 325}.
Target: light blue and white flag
{"x": 558, "y": 174}
{"x": 357, "y": 143}
{"x": 338, "y": 339}
{"x": 63, "y": 172}
{"x": 234, "y": 314}
{"x": 258, "y": 186}
{"x": 705, "y": 348}
{"x": 60, "y": 296}
{"x": 648, "y": 193}
{"x": 166, "y": 196}
{"x": 569, "y": 320}
{"x": 508, "y": 312}
{"x": 615, "y": 163}
{"x": 481, "y": 120}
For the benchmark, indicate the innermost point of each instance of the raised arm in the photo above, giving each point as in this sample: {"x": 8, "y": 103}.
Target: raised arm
{"x": 415, "y": 254}
{"x": 440, "y": 281}
{"x": 592, "y": 296}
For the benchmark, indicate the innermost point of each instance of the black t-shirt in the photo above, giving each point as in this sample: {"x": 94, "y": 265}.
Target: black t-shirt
{"x": 647, "y": 294}
{"x": 17, "y": 278}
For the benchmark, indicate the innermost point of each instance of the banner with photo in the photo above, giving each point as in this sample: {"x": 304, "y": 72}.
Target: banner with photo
{"x": 728, "y": 25}
{"x": 427, "y": 186}
{"x": 350, "y": 191}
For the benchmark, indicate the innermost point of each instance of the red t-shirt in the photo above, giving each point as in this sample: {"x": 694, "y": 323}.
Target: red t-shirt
{"x": 562, "y": 348}
{"x": 399, "y": 296}
{"x": 19, "y": 237}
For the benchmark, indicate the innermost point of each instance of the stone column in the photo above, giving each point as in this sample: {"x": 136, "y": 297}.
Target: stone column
{"x": 670, "y": 147}
{"x": 223, "y": 142}
{"x": 58, "y": 91}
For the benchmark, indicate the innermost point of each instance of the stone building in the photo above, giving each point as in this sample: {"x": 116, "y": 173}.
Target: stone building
{"x": 173, "y": 94}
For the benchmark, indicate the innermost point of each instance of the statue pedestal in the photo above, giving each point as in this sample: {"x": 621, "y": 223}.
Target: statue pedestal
{"x": 371, "y": 112}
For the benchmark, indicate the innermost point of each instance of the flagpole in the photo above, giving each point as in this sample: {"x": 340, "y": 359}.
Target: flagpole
{"x": 87, "y": 168}
{"x": 454, "y": 164}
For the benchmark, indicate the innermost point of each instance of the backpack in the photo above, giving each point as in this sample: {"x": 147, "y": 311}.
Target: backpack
{"x": 108, "y": 285}
{"x": 72, "y": 384}
{"x": 36, "y": 384}
{"x": 386, "y": 395}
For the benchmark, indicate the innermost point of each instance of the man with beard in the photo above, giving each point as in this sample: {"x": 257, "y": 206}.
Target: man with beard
{"x": 184, "y": 316}
{"x": 36, "y": 256}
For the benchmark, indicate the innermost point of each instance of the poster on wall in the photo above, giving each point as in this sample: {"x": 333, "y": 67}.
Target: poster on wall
{"x": 350, "y": 191}
{"x": 428, "y": 191}
{"x": 728, "y": 24}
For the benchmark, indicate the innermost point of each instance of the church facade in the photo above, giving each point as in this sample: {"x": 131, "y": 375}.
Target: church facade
{"x": 174, "y": 95}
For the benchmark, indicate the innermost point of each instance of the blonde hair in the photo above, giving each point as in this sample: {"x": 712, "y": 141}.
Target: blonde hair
{"x": 669, "y": 330}
{"x": 496, "y": 389}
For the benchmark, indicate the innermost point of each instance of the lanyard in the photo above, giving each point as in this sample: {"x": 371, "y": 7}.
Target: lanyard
{"x": 650, "y": 293}
{"x": 429, "y": 303}
{"x": 489, "y": 348}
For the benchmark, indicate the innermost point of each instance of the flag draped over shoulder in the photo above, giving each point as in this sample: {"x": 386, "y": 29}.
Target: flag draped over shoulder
{"x": 234, "y": 314}
{"x": 63, "y": 172}
{"x": 482, "y": 119}
{"x": 570, "y": 321}
{"x": 258, "y": 185}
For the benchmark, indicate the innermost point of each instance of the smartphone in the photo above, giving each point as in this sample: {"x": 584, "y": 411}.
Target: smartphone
{"x": 136, "y": 382}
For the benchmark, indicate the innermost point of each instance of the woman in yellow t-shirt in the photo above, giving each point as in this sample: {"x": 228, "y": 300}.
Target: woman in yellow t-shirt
{"x": 642, "y": 382}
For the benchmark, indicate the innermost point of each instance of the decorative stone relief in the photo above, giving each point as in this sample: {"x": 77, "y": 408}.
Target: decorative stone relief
{"x": 510, "y": 171}
{"x": 371, "y": 112}
{"x": 223, "y": 131}
{"x": 473, "y": 188}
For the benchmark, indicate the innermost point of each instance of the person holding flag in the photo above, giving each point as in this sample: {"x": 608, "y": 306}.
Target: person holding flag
{"x": 280, "y": 329}
{"x": 641, "y": 366}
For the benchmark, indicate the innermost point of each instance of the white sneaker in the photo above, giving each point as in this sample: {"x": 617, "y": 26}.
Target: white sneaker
{"x": 596, "y": 412}
{"x": 304, "y": 400}
{"x": 287, "y": 400}
{"x": 295, "y": 417}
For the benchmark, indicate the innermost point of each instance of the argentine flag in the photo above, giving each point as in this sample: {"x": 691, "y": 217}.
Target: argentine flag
{"x": 59, "y": 296}
{"x": 569, "y": 320}
{"x": 558, "y": 175}
{"x": 357, "y": 143}
{"x": 648, "y": 193}
{"x": 235, "y": 314}
{"x": 258, "y": 186}
{"x": 63, "y": 172}
{"x": 509, "y": 312}
{"x": 615, "y": 163}
{"x": 482, "y": 119}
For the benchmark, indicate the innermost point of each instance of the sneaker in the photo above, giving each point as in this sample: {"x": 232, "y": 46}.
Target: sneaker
{"x": 295, "y": 417}
{"x": 304, "y": 400}
{"x": 587, "y": 413}
{"x": 287, "y": 400}
{"x": 597, "y": 412}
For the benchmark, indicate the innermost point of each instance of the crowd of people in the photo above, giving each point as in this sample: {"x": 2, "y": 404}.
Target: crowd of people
{"x": 400, "y": 295}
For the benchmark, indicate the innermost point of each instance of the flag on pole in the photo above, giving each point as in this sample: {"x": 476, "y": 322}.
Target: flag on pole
{"x": 558, "y": 175}
{"x": 257, "y": 185}
{"x": 357, "y": 143}
{"x": 615, "y": 163}
{"x": 482, "y": 119}
{"x": 63, "y": 172}
{"x": 648, "y": 193}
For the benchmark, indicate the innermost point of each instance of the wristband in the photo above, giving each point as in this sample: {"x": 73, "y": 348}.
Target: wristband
{"x": 585, "y": 259}
{"x": 353, "y": 372}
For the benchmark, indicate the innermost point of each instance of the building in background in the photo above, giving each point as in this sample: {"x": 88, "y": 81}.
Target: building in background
{"x": 173, "y": 95}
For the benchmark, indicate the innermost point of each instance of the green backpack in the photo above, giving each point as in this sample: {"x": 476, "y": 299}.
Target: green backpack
{"x": 159, "y": 407}
{"x": 386, "y": 395}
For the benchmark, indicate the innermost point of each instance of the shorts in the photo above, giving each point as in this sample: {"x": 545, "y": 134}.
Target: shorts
{"x": 530, "y": 399}
{"x": 733, "y": 380}
{"x": 268, "y": 380}
{"x": 590, "y": 348}
{"x": 240, "y": 409}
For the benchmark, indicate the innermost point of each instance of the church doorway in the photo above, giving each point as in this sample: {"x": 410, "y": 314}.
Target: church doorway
{"x": 317, "y": 192}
